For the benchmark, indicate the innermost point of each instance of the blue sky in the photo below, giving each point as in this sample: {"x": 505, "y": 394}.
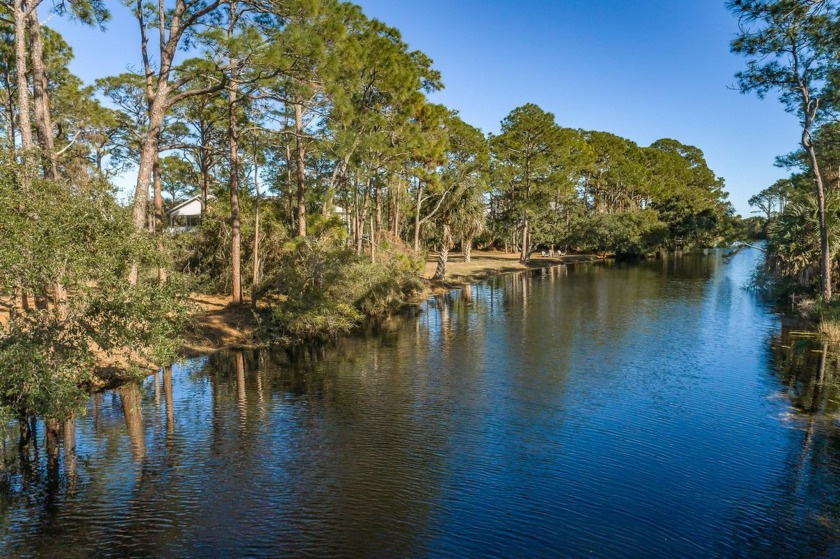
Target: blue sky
{"x": 644, "y": 70}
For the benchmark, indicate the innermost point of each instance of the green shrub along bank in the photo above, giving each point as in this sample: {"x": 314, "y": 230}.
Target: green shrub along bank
{"x": 65, "y": 255}
{"x": 309, "y": 288}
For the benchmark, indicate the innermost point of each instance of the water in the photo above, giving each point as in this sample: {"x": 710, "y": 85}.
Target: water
{"x": 652, "y": 410}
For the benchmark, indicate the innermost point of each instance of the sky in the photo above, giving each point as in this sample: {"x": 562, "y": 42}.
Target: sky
{"x": 644, "y": 70}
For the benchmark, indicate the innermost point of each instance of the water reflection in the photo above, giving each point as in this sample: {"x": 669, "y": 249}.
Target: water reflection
{"x": 133, "y": 413}
{"x": 808, "y": 367}
{"x": 608, "y": 410}
{"x": 803, "y": 508}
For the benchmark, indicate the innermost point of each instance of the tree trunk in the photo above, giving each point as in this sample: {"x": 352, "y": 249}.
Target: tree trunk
{"x": 372, "y": 240}
{"x": 205, "y": 182}
{"x": 363, "y": 215}
{"x": 158, "y": 206}
{"x": 443, "y": 255}
{"x": 255, "y": 278}
{"x": 60, "y": 296}
{"x": 417, "y": 217}
{"x": 467, "y": 249}
{"x": 357, "y": 236}
{"x": 148, "y": 155}
{"x": 40, "y": 98}
{"x": 396, "y": 201}
{"x": 300, "y": 161}
{"x": 378, "y": 228}
{"x": 24, "y": 125}
{"x": 825, "y": 254}
{"x": 338, "y": 176}
{"x": 525, "y": 249}
{"x": 236, "y": 240}
{"x": 289, "y": 186}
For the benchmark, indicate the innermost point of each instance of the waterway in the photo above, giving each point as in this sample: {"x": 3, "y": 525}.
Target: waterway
{"x": 657, "y": 409}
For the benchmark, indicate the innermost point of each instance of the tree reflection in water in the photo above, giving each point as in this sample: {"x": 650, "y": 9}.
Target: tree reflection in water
{"x": 571, "y": 389}
{"x": 805, "y": 507}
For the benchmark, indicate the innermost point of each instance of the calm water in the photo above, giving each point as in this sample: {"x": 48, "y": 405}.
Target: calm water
{"x": 655, "y": 410}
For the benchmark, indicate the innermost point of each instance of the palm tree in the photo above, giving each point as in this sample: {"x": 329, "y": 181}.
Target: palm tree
{"x": 461, "y": 217}
{"x": 794, "y": 238}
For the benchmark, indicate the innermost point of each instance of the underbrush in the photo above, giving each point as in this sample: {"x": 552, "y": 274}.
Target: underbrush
{"x": 830, "y": 329}
{"x": 321, "y": 288}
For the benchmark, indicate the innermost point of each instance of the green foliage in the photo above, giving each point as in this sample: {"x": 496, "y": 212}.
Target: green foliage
{"x": 204, "y": 253}
{"x": 84, "y": 242}
{"x": 793, "y": 242}
{"x": 551, "y": 178}
{"x": 791, "y": 50}
{"x": 322, "y": 288}
{"x": 377, "y": 288}
{"x": 45, "y": 366}
{"x": 464, "y": 177}
{"x": 625, "y": 234}
{"x": 751, "y": 229}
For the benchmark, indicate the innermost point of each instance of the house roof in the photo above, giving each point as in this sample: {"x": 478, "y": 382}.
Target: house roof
{"x": 187, "y": 202}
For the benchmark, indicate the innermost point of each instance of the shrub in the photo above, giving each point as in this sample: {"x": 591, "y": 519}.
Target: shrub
{"x": 625, "y": 234}
{"x": 322, "y": 288}
{"x": 53, "y": 235}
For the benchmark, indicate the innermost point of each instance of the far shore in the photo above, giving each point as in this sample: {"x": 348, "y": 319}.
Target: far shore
{"x": 485, "y": 264}
{"x": 219, "y": 324}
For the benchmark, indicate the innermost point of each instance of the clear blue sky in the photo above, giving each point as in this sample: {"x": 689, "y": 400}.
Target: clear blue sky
{"x": 644, "y": 70}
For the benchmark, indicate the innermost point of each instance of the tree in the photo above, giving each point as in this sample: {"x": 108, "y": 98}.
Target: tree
{"x": 161, "y": 91}
{"x": 204, "y": 119}
{"x": 50, "y": 353}
{"x": 686, "y": 193}
{"x": 772, "y": 200}
{"x": 527, "y": 151}
{"x": 790, "y": 49}
{"x": 575, "y": 160}
{"x": 464, "y": 175}
{"x": 616, "y": 180}
{"x": 24, "y": 18}
{"x": 178, "y": 178}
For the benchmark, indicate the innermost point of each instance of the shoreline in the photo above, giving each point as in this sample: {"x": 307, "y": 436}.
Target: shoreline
{"x": 219, "y": 325}
{"x": 484, "y": 266}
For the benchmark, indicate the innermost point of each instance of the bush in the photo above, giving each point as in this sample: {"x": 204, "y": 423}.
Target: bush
{"x": 204, "y": 254}
{"x": 322, "y": 288}
{"x": 53, "y": 235}
{"x": 625, "y": 234}
{"x": 793, "y": 243}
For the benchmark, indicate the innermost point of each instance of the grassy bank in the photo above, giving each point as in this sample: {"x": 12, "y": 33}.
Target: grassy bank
{"x": 486, "y": 264}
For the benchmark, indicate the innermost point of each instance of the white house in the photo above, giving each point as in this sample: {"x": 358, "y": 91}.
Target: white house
{"x": 187, "y": 214}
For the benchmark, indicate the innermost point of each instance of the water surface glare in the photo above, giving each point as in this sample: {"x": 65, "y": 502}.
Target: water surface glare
{"x": 649, "y": 410}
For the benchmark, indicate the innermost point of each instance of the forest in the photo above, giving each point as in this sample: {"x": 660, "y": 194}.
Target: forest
{"x": 325, "y": 174}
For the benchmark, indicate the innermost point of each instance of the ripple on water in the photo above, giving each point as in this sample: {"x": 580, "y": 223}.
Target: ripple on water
{"x": 605, "y": 411}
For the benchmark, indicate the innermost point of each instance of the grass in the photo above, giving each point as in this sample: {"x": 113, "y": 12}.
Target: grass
{"x": 830, "y": 329}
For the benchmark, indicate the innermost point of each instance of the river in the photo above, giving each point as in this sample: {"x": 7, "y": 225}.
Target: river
{"x": 657, "y": 409}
